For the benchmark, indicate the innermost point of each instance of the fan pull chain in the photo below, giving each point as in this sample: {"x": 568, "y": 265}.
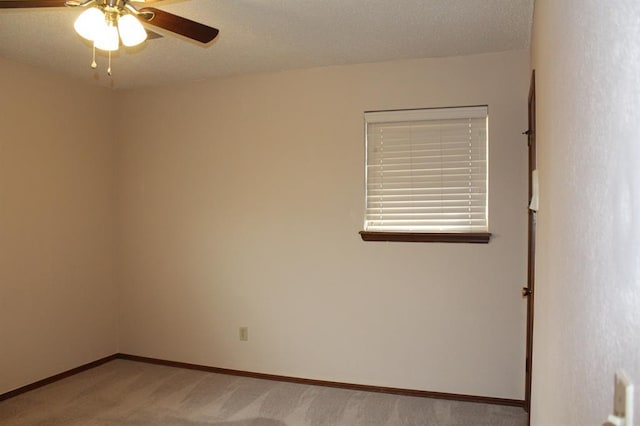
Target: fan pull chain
{"x": 93, "y": 62}
{"x": 94, "y": 65}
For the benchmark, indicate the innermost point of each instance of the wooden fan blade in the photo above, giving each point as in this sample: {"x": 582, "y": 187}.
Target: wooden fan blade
{"x": 18, "y": 4}
{"x": 179, "y": 25}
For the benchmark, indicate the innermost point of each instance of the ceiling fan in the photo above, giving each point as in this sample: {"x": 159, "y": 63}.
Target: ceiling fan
{"x": 108, "y": 23}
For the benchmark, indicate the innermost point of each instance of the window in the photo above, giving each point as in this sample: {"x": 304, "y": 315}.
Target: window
{"x": 426, "y": 175}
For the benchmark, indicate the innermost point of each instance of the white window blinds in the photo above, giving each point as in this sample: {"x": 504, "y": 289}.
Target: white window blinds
{"x": 427, "y": 170}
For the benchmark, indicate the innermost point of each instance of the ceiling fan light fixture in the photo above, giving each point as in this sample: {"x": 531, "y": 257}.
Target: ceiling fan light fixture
{"x": 90, "y": 23}
{"x": 111, "y": 22}
{"x": 131, "y": 30}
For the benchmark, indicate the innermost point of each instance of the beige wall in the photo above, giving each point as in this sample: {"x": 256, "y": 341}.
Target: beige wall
{"x": 58, "y": 301}
{"x": 241, "y": 202}
{"x": 587, "y": 60}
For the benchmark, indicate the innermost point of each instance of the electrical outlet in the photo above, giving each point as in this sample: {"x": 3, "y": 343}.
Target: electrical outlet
{"x": 622, "y": 401}
{"x": 244, "y": 333}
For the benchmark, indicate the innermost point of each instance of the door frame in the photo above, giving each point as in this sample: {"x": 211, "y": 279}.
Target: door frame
{"x": 528, "y": 291}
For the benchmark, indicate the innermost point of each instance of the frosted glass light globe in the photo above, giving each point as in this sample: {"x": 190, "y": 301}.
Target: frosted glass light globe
{"x": 108, "y": 40}
{"x": 90, "y": 23}
{"x": 132, "y": 32}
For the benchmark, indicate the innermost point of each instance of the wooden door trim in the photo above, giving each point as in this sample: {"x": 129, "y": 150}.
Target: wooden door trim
{"x": 531, "y": 245}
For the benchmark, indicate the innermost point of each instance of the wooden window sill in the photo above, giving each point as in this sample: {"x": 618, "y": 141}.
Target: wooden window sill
{"x": 420, "y": 237}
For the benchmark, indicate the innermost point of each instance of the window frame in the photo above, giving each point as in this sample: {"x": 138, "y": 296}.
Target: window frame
{"x": 423, "y": 236}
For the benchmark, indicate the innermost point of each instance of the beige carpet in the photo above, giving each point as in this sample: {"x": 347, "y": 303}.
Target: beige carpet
{"x": 131, "y": 393}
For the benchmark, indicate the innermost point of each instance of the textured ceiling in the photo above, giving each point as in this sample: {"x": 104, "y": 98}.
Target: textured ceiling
{"x": 272, "y": 35}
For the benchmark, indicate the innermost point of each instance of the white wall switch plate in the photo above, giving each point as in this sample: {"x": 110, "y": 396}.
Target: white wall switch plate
{"x": 622, "y": 402}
